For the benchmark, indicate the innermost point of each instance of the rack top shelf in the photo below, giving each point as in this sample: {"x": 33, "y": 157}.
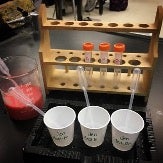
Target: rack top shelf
{"x": 101, "y": 26}
{"x": 98, "y": 26}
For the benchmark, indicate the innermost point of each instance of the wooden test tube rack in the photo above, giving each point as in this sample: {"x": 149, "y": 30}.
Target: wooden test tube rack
{"x": 67, "y": 79}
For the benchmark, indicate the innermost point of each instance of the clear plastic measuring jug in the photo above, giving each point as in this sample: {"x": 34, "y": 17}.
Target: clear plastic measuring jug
{"x": 24, "y": 74}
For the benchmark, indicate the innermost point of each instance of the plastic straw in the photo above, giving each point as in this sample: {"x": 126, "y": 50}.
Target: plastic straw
{"x": 83, "y": 83}
{"x": 133, "y": 87}
{"x": 4, "y": 69}
{"x": 17, "y": 93}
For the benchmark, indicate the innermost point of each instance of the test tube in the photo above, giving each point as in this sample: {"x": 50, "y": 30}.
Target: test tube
{"x": 104, "y": 47}
{"x": 119, "y": 48}
{"x": 88, "y": 48}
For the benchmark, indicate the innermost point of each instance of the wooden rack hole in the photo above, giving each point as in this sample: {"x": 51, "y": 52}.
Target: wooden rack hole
{"x": 74, "y": 59}
{"x": 83, "y": 24}
{"x": 113, "y": 24}
{"x": 102, "y": 86}
{"x": 55, "y": 23}
{"x": 92, "y": 60}
{"x": 63, "y": 84}
{"x": 75, "y": 84}
{"x": 106, "y": 63}
{"x": 128, "y": 88}
{"x": 98, "y": 24}
{"x": 122, "y": 62}
{"x": 97, "y": 54}
{"x": 60, "y": 58}
{"x": 144, "y": 25}
{"x": 128, "y": 25}
{"x": 69, "y": 23}
{"x": 134, "y": 62}
{"x": 116, "y": 87}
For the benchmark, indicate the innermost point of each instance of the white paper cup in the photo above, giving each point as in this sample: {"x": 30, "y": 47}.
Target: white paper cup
{"x": 126, "y": 126}
{"x": 93, "y": 122}
{"x": 60, "y": 123}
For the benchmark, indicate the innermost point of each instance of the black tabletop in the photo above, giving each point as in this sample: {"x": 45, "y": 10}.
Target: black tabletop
{"x": 13, "y": 134}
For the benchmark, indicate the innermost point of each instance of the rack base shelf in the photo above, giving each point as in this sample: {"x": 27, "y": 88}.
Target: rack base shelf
{"x": 63, "y": 80}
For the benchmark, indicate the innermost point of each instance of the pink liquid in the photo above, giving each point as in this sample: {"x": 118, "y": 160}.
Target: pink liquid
{"x": 19, "y": 111}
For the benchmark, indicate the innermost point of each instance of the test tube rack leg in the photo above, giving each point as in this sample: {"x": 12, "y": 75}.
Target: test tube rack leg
{"x": 67, "y": 79}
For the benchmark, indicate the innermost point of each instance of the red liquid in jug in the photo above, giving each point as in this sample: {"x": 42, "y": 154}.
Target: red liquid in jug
{"x": 19, "y": 111}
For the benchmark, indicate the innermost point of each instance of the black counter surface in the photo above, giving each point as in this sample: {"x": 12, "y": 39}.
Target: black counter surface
{"x": 14, "y": 134}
